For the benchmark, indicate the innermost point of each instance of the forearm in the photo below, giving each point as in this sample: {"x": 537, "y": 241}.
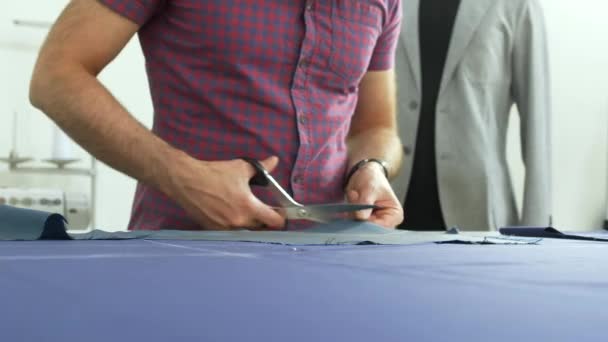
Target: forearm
{"x": 381, "y": 143}
{"x": 373, "y": 130}
{"x": 87, "y": 112}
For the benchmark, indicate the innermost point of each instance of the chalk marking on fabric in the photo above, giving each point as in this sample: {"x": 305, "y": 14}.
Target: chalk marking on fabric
{"x": 104, "y": 256}
{"x": 198, "y": 249}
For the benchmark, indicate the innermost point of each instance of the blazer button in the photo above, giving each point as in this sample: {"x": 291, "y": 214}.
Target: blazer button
{"x": 407, "y": 150}
{"x": 413, "y": 105}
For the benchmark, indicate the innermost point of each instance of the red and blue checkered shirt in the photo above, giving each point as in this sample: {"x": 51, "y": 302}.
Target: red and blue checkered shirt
{"x": 256, "y": 78}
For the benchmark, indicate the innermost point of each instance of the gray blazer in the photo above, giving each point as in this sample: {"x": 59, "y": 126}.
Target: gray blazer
{"x": 497, "y": 58}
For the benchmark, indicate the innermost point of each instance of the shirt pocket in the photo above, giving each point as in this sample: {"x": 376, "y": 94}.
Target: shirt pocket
{"x": 355, "y": 28}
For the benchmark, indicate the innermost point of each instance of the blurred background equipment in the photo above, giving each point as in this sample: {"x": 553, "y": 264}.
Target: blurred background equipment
{"x": 75, "y": 207}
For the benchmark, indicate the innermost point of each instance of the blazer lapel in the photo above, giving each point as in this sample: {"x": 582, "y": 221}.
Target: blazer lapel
{"x": 469, "y": 17}
{"x": 410, "y": 38}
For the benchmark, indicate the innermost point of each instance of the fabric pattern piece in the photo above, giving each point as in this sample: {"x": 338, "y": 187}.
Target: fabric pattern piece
{"x": 21, "y": 224}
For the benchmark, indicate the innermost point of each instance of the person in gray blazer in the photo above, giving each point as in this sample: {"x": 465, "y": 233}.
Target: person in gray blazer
{"x": 461, "y": 66}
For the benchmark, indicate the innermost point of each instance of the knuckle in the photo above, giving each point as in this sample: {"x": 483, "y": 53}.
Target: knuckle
{"x": 238, "y": 221}
{"x": 367, "y": 199}
{"x": 243, "y": 164}
{"x": 244, "y": 208}
{"x": 247, "y": 205}
{"x": 242, "y": 203}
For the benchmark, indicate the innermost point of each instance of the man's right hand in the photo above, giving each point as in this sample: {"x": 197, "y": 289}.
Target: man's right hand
{"x": 216, "y": 194}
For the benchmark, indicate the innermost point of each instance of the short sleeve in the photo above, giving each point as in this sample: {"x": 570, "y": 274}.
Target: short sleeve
{"x": 383, "y": 57}
{"x": 138, "y": 11}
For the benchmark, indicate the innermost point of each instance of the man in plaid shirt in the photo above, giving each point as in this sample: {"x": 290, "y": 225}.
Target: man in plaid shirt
{"x": 305, "y": 86}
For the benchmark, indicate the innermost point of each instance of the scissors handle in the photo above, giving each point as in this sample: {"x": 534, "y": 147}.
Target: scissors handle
{"x": 263, "y": 178}
{"x": 261, "y": 174}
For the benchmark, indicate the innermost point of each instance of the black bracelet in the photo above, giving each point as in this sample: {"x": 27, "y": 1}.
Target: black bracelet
{"x": 357, "y": 166}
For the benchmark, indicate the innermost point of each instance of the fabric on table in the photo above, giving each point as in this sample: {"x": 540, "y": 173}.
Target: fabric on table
{"x": 547, "y": 232}
{"x": 22, "y": 224}
{"x": 192, "y": 291}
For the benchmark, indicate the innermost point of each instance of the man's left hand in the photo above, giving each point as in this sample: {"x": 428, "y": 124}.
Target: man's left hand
{"x": 369, "y": 186}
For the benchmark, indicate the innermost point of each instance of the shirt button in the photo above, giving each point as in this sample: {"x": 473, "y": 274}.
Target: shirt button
{"x": 407, "y": 150}
{"x": 302, "y": 63}
{"x": 309, "y": 6}
{"x": 298, "y": 179}
{"x": 413, "y": 105}
{"x": 302, "y": 119}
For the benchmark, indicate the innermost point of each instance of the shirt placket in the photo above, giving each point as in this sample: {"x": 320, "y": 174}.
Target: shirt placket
{"x": 303, "y": 104}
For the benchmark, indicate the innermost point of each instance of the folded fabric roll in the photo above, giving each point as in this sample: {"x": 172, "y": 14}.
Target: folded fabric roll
{"x": 26, "y": 224}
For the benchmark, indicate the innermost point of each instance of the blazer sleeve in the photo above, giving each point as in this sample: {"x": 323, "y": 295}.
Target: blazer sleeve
{"x": 531, "y": 93}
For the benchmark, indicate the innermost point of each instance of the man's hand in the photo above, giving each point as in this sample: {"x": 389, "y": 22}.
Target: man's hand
{"x": 369, "y": 185}
{"x": 217, "y": 195}
{"x": 373, "y": 134}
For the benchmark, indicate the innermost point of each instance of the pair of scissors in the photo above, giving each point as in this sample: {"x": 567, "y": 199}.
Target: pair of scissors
{"x": 322, "y": 213}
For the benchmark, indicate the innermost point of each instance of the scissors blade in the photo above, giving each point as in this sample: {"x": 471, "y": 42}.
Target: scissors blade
{"x": 324, "y": 212}
{"x": 333, "y": 208}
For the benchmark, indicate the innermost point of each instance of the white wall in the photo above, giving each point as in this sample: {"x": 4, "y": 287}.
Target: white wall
{"x": 578, "y": 34}
{"x": 125, "y": 77}
{"x": 579, "y": 43}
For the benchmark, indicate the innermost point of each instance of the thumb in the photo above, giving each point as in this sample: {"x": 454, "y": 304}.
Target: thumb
{"x": 355, "y": 197}
{"x": 270, "y": 163}
{"x": 352, "y": 196}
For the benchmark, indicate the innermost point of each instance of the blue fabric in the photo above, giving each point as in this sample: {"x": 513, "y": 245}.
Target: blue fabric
{"x": 547, "y": 232}
{"x": 140, "y": 290}
{"x": 25, "y": 224}
{"x": 21, "y": 224}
